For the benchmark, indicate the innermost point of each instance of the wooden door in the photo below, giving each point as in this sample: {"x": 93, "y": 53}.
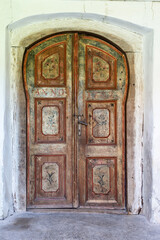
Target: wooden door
{"x": 48, "y": 84}
{"x": 101, "y": 106}
{"x": 76, "y": 89}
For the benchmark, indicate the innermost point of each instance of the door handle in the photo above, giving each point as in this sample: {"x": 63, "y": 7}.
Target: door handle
{"x": 79, "y": 124}
{"x": 83, "y": 123}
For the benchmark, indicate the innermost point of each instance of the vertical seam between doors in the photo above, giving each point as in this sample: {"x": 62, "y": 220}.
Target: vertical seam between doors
{"x": 75, "y": 112}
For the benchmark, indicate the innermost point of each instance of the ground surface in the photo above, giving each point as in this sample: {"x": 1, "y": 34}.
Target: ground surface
{"x": 53, "y": 226}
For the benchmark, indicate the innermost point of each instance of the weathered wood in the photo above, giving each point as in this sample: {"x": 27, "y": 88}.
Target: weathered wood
{"x": 76, "y": 88}
{"x": 48, "y": 84}
{"x": 101, "y": 99}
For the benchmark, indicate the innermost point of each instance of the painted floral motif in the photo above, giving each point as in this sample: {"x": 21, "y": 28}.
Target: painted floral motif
{"x": 101, "y": 122}
{"x": 101, "y": 179}
{"x": 50, "y": 120}
{"x": 50, "y": 177}
{"x": 50, "y": 66}
{"x": 100, "y": 69}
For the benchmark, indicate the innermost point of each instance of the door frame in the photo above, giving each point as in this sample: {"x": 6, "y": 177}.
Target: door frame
{"x": 22, "y": 33}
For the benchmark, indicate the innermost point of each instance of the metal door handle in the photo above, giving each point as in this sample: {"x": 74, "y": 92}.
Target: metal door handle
{"x": 83, "y": 123}
{"x": 79, "y": 124}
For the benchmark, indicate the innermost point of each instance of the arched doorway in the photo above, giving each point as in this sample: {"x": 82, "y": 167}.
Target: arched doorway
{"x": 76, "y": 88}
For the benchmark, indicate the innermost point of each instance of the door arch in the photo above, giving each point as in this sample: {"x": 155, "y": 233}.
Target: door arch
{"x": 76, "y": 88}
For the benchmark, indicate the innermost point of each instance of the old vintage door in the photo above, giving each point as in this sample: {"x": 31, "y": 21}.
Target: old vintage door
{"x": 76, "y": 88}
{"x": 101, "y": 99}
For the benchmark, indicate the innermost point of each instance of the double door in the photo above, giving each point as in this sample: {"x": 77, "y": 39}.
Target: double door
{"x": 76, "y": 87}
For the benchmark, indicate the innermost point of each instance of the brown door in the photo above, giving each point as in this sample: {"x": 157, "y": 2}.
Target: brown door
{"x": 101, "y": 103}
{"x": 76, "y": 89}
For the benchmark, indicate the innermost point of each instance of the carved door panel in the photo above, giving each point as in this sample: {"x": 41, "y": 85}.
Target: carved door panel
{"x": 101, "y": 141}
{"x": 48, "y": 84}
{"x": 76, "y": 89}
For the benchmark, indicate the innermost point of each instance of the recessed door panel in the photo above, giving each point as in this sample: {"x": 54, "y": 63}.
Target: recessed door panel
{"x": 76, "y": 88}
{"x": 50, "y": 120}
{"x": 100, "y": 68}
{"x": 50, "y": 172}
{"x": 101, "y": 119}
{"x": 50, "y": 66}
{"x": 101, "y": 180}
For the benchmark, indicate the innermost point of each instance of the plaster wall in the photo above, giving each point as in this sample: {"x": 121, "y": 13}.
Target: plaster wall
{"x": 131, "y": 22}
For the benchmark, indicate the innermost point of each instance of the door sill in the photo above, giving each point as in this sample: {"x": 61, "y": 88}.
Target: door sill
{"x": 80, "y": 210}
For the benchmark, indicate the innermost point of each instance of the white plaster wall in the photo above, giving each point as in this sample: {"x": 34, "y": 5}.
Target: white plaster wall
{"x": 141, "y": 13}
{"x": 5, "y": 18}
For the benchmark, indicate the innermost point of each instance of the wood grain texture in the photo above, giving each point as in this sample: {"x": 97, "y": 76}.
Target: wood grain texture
{"x": 49, "y": 114}
{"x": 102, "y": 90}
{"x": 76, "y": 88}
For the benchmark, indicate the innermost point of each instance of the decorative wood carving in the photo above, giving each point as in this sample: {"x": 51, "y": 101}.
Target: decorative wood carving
{"x": 76, "y": 88}
{"x": 101, "y": 118}
{"x": 49, "y": 145}
{"x": 101, "y": 184}
{"x": 50, "y": 120}
{"x": 50, "y": 177}
{"x": 50, "y": 66}
{"x": 101, "y": 103}
{"x": 101, "y": 68}
{"x": 101, "y": 179}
